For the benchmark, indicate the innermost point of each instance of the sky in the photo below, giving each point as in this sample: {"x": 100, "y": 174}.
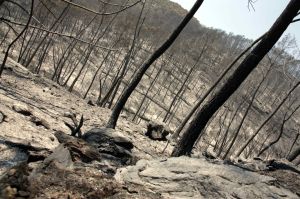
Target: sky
{"x": 234, "y": 16}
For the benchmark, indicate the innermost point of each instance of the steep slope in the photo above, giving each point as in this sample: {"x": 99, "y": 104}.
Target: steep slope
{"x": 161, "y": 17}
{"x": 34, "y": 108}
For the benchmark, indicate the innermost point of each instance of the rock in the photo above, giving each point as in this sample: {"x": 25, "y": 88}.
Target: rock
{"x": 185, "y": 177}
{"x": 157, "y": 131}
{"x": 97, "y": 146}
{"x": 13, "y": 180}
{"x": 69, "y": 115}
{"x": 2, "y": 117}
{"x": 90, "y": 102}
{"x": 8, "y": 193}
{"x": 111, "y": 145}
{"x": 60, "y": 155}
{"x": 57, "y": 177}
{"x": 23, "y": 194}
{"x": 46, "y": 89}
{"x": 80, "y": 149}
{"x": 40, "y": 122}
{"x": 102, "y": 135}
{"x": 22, "y": 109}
{"x": 209, "y": 154}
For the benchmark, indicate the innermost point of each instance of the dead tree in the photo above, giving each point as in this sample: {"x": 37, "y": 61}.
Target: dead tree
{"x": 228, "y": 128}
{"x": 141, "y": 71}
{"x": 254, "y": 95}
{"x": 192, "y": 69}
{"x": 243, "y": 147}
{"x": 222, "y": 121}
{"x": 54, "y": 26}
{"x": 116, "y": 83}
{"x": 209, "y": 91}
{"x": 285, "y": 119}
{"x": 146, "y": 94}
{"x": 190, "y": 135}
{"x": 16, "y": 39}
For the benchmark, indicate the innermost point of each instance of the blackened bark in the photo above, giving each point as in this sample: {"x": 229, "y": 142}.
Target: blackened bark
{"x": 190, "y": 135}
{"x": 140, "y": 73}
{"x": 198, "y": 104}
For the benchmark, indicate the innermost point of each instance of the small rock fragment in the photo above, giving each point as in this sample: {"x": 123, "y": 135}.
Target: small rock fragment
{"x": 40, "y": 122}
{"x": 22, "y": 109}
{"x": 23, "y": 194}
{"x": 69, "y": 114}
{"x": 46, "y": 89}
{"x": 90, "y": 102}
{"x": 2, "y": 117}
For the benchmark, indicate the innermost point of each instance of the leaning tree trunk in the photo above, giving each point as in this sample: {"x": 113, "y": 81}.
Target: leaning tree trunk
{"x": 140, "y": 73}
{"x": 294, "y": 154}
{"x": 216, "y": 83}
{"x": 190, "y": 135}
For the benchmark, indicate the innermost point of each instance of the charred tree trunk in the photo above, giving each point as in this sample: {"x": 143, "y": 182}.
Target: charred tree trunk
{"x": 185, "y": 145}
{"x": 197, "y": 105}
{"x": 140, "y": 73}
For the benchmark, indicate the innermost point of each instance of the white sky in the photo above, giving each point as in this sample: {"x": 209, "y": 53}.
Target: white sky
{"x": 234, "y": 16}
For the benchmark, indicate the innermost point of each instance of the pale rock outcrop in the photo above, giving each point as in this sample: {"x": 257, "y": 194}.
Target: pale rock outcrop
{"x": 185, "y": 177}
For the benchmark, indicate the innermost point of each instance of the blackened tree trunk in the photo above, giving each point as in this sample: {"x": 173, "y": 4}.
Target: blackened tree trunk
{"x": 245, "y": 115}
{"x": 209, "y": 91}
{"x": 190, "y": 135}
{"x": 140, "y": 73}
{"x": 294, "y": 154}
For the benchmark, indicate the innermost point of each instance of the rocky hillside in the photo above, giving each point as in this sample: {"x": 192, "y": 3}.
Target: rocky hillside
{"x": 40, "y": 159}
{"x": 92, "y": 66}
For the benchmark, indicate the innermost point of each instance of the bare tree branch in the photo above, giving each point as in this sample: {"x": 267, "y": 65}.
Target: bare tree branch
{"x": 55, "y": 33}
{"x": 250, "y": 4}
{"x": 98, "y": 13}
{"x": 295, "y": 20}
